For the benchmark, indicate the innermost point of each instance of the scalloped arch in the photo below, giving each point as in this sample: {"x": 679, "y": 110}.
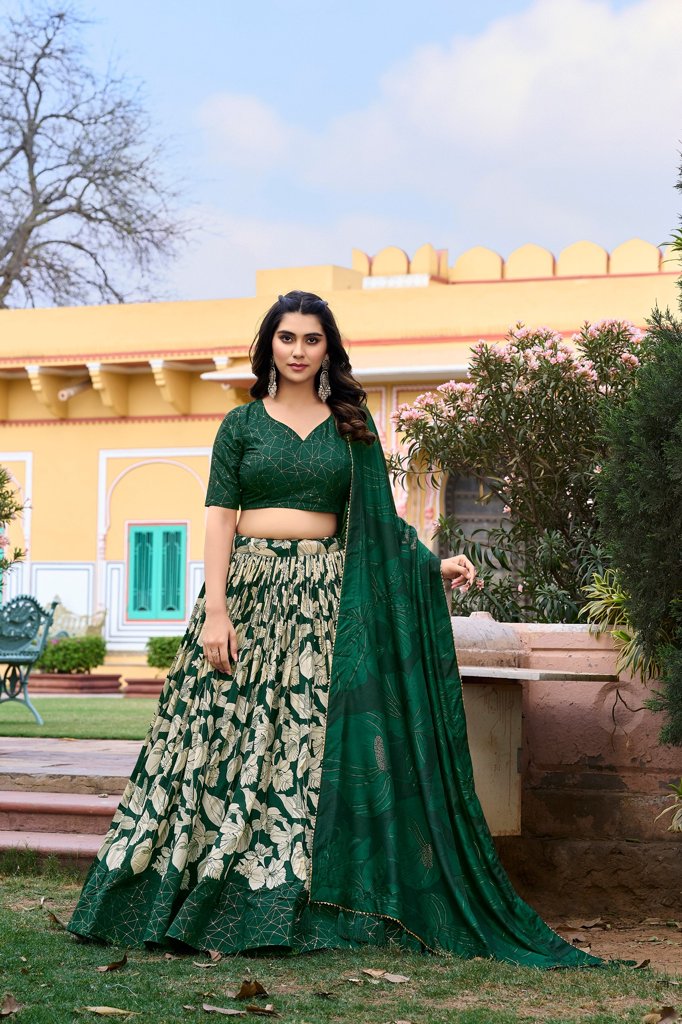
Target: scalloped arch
{"x": 582, "y": 259}
{"x": 389, "y": 261}
{"x": 477, "y": 264}
{"x": 529, "y": 260}
{"x": 425, "y": 261}
{"x": 635, "y": 257}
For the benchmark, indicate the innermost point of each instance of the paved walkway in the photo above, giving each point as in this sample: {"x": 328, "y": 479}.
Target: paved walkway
{"x": 61, "y": 766}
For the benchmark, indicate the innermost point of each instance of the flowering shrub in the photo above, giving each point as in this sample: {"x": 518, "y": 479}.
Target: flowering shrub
{"x": 526, "y": 423}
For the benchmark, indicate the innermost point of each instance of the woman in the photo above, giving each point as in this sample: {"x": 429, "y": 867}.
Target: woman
{"x": 285, "y": 797}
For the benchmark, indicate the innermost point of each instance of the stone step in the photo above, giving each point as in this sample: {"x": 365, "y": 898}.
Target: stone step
{"x": 66, "y": 766}
{"x": 72, "y": 813}
{"x": 79, "y": 846}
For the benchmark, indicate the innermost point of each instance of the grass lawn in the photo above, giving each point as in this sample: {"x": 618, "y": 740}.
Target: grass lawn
{"x": 54, "y": 977}
{"x": 82, "y": 718}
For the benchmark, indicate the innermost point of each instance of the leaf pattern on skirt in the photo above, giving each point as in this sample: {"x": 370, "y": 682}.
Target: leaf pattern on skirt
{"x": 226, "y": 786}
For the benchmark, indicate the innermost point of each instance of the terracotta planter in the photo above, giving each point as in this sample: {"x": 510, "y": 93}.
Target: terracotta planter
{"x": 72, "y": 682}
{"x": 142, "y": 687}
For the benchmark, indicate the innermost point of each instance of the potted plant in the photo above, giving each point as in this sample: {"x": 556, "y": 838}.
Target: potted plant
{"x": 161, "y": 651}
{"x": 66, "y": 667}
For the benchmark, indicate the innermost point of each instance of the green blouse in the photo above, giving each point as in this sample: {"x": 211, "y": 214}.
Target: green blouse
{"x": 260, "y": 462}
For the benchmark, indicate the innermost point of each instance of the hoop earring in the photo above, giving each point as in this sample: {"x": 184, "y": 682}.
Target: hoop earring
{"x": 323, "y": 389}
{"x": 272, "y": 380}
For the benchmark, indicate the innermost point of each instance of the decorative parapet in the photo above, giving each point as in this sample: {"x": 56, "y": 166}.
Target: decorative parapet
{"x": 392, "y": 267}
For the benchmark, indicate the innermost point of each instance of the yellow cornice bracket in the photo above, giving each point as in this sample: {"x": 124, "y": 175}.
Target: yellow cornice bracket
{"x": 174, "y": 385}
{"x": 112, "y": 388}
{"x": 4, "y": 399}
{"x": 46, "y": 389}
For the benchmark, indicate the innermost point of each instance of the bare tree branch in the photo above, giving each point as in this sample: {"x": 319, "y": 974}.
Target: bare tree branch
{"x": 84, "y": 208}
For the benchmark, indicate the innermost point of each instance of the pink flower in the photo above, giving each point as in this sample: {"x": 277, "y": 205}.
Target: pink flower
{"x": 597, "y": 469}
{"x": 520, "y": 588}
{"x": 472, "y": 419}
{"x": 4, "y": 541}
{"x": 480, "y": 583}
{"x": 506, "y": 510}
{"x": 629, "y": 358}
{"x": 426, "y": 399}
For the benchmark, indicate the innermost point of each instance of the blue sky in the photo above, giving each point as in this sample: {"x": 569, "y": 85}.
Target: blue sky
{"x": 304, "y": 128}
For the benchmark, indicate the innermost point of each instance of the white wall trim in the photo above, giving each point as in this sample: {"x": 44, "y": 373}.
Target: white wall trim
{"x": 23, "y": 569}
{"x": 144, "y": 456}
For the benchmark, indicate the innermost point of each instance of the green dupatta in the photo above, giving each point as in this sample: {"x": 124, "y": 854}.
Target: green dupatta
{"x": 399, "y": 830}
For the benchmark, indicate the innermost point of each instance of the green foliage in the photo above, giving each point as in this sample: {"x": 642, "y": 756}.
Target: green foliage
{"x": 607, "y": 611}
{"x": 675, "y": 808}
{"x": 10, "y": 508}
{"x": 527, "y": 425}
{"x": 161, "y": 650}
{"x": 72, "y": 654}
{"x": 640, "y": 499}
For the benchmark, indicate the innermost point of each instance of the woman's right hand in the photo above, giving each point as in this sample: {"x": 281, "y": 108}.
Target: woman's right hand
{"x": 219, "y": 640}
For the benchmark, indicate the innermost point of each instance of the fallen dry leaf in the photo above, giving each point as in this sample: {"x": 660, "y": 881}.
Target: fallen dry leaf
{"x": 641, "y": 965}
{"x": 23, "y": 959}
{"x": 54, "y": 921}
{"x": 373, "y": 972}
{"x": 249, "y": 990}
{"x": 396, "y": 979}
{"x": 597, "y": 923}
{"x": 116, "y": 965}
{"x": 204, "y": 963}
{"x": 354, "y": 981}
{"x": 9, "y": 1006}
{"x": 223, "y": 1009}
{"x": 44, "y": 899}
{"x": 109, "y": 1011}
{"x": 170, "y": 956}
{"x": 214, "y": 954}
{"x": 265, "y": 1011}
{"x": 660, "y": 1015}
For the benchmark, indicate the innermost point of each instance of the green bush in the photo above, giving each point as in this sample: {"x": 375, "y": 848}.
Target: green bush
{"x": 526, "y": 425}
{"x": 72, "y": 654}
{"x": 640, "y": 501}
{"x": 161, "y": 650}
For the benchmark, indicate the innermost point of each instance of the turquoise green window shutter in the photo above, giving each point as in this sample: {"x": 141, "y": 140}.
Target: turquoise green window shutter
{"x": 157, "y": 572}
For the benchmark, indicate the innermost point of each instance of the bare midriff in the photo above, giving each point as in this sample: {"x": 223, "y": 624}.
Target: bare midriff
{"x": 286, "y": 523}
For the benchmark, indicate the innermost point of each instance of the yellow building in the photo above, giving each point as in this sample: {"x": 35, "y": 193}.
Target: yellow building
{"x": 108, "y": 413}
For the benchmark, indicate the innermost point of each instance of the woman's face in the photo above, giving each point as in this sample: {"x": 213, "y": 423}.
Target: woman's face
{"x": 298, "y": 347}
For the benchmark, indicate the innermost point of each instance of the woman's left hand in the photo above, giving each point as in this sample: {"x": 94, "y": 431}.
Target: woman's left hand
{"x": 460, "y": 570}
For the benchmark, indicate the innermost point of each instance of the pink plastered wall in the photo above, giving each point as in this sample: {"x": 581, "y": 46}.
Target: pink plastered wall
{"x": 594, "y": 779}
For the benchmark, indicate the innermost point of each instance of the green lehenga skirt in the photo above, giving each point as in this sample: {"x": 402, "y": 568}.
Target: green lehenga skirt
{"x": 211, "y": 844}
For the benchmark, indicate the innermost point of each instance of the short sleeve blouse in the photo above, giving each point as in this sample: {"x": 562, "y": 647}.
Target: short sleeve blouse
{"x": 260, "y": 462}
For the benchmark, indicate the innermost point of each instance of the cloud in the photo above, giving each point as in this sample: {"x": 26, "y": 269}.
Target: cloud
{"x": 229, "y": 248}
{"x": 243, "y": 131}
{"x": 558, "y": 122}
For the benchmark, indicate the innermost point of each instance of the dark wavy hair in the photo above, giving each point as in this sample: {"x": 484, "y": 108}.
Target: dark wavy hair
{"x": 348, "y": 399}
